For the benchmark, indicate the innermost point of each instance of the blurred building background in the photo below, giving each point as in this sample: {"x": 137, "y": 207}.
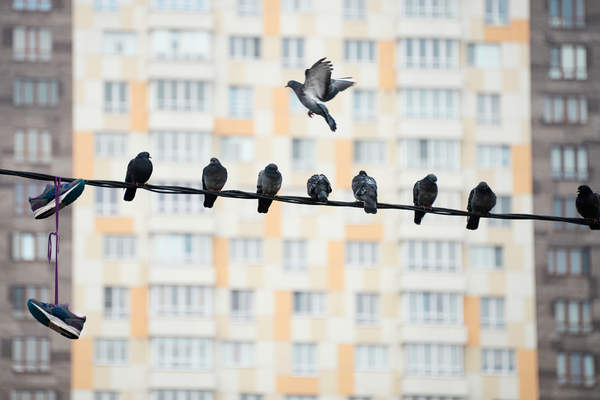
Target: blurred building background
{"x": 304, "y": 302}
{"x": 36, "y": 131}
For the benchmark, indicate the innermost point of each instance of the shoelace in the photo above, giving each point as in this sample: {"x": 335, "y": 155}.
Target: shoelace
{"x": 57, "y": 241}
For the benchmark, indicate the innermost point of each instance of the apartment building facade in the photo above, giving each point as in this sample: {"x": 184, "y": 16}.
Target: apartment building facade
{"x": 304, "y": 302}
{"x": 36, "y": 128}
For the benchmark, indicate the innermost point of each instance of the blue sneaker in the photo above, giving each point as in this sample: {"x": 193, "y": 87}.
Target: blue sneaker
{"x": 44, "y": 205}
{"x": 57, "y": 317}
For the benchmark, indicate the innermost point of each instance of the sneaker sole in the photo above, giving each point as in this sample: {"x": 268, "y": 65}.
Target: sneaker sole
{"x": 52, "y": 322}
{"x": 64, "y": 200}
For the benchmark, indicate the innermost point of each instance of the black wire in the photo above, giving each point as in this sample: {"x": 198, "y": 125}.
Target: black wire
{"x": 237, "y": 194}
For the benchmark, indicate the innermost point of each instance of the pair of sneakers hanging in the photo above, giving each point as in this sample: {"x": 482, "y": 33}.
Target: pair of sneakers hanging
{"x": 57, "y": 317}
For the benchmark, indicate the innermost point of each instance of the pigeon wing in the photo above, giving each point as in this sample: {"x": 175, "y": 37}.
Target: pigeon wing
{"x": 338, "y": 85}
{"x": 416, "y": 193}
{"x": 318, "y": 80}
{"x": 470, "y": 202}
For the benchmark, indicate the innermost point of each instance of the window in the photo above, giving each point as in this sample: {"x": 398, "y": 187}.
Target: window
{"x": 119, "y": 247}
{"x": 120, "y": 43}
{"x": 431, "y": 154}
{"x": 305, "y": 359}
{"x": 569, "y": 162}
{"x": 309, "y": 304}
{"x": 565, "y": 110}
{"x": 303, "y": 153}
{"x": 106, "y": 5}
{"x": 242, "y": 306}
{"x": 180, "y": 95}
{"x": 181, "y": 301}
{"x": 488, "y": 109}
{"x": 110, "y": 145}
{"x": 294, "y": 255}
{"x": 365, "y": 105}
{"x": 32, "y": 146}
{"x": 430, "y": 104}
{"x": 362, "y": 254}
{"x": 38, "y": 92}
{"x": 181, "y": 147}
{"x": 116, "y": 303}
{"x": 24, "y": 394}
{"x": 565, "y": 208}
{"x": 431, "y": 398}
{"x": 116, "y": 98}
{"x": 111, "y": 351}
{"x": 29, "y": 246}
{"x": 367, "y": 309}
{"x": 181, "y": 204}
{"x": 496, "y": 12}
{"x": 32, "y": 5}
{"x": 435, "y": 360}
{"x": 238, "y": 354}
{"x": 19, "y": 295}
{"x": 575, "y": 369}
{"x": 246, "y": 251}
{"x": 251, "y": 397}
{"x": 498, "y": 362}
{"x": 433, "y": 308}
{"x": 484, "y": 55}
{"x": 433, "y": 256}
{"x": 237, "y": 148}
{"x": 567, "y": 13}
{"x": 564, "y": 261}
{"x": 492, "y": 313}
{"x": 502, "y": 207}
{"x": 359, "y": 51}
{"x": 355, "y": 9}
{"x": 241, "y": 47}
{"x": 370, "y": 151}
{"x": 183, "y": 354}
{"x": 430, "y": 8}
{"x": 293, "y": 53}
{"x": 22, "y": 193}
{"x": 181, "y": 394}
{"x": 240, "y": 102}
{"x": 371, "y": 357}
{"x": 181, "y": 45}
{"x": 493, "y": 157}
{"x": 30, "y": 354}
{"x": 105, "y": 396}
{"x": 184, "y": 5}
{"x": 296, "y": 5}
{"x": 32, "y": 44}
{"x": 183, "y": 249}
{"x": 486, "y": 257}
{"x": 106, "y": 201}
{"x": 429, "y": 53}
{"x": 294, "y": 397}
{"x": 573, "y": 316}
{"x": 249, "y": 8}
{"x": 568, "y": 61}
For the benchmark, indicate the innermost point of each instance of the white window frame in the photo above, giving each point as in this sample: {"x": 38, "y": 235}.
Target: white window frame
{"x": 116, "y": 302}
{"x": 304, "y": 153}
{"x": 295, "y": 255}
{"x": 242, "y": 306}
{"x": 29, "y": 246}
{"x": 106, "y": 396}
{"x": 568, "y": 62}
{"x": 110, "y": 145}
{"x": 494, "y": 156}
{"x": 112, "y": 105}
{"x": 32, "y": 44}
{"x": 430, "y": 104}
{"x": 181, "y": 394}
{"x": 182, "y": 249}
{"x": 297, "y": 5}
{"x": 374, "y": 358}
{"x": 30, "y": 354}
{"x": 111, "y": 352}
{"x": 360, "y": 51}
{"x": 362, "y": 254}
{"x": 32, "y": 5}
{"x": 180, "y": 204}
{"x": 240, "y": 102}
{"x": 304, "y": 359}
{"x": 181, "y": 95}
{"x": 430, "y": 256}
{"x": 35, "y": 92}
{"x": 489, "y": 109}
{"x": 238, "y": 354}
{"x": 573, "y": 316}
{"x": 498, "y": 362}
{"x": 484, "y": 55}
{"x": 293, "y": 52}
{"x": 431, "y": 154}
{"x": 310, "y": 304}
{"x": 181, "y": 301}
{"x": 237, "y": 148}
{"x": 364, "y": 106}
{"x": 577, "y": 19}
{"x": 444, "y": 9}
{"x": 370, "y": 151}
{"x": 367, "y": 309}
{"x": 566, "y": 363}
{"x": 32, "y": 146}
{"x": 426, "y": 53}
{"x": 486, "y": 258}
{"x": 355, "y": 9}
{"x": 444, "y": 360}
{"x": 569, "y": 162}
{"x": 19, "y": 295}
{"x": 245, "y": 47}
{"x": 177, "y": 44}
{"x": 497, "y": 12}
{"x": 191, "y": 147}
{"x": 106, "y": 201}
{"x": 182, "y": 5}
{"x": 249, "y": 8}
{"x": 571, "y": 110}
{"x": 568, "y": 261}
{"x": 37, "y": 394}
{"x": 431, "y": 308}
{"x": 493, "y": 313}
{"x": 120, "y": 247}
{"x": 106, "y": 5}
{"x": 120, "y": 43}
{"x": 182, "y": 353}
{"x": 246, "y": 251}
{"x": 503, "y": 206}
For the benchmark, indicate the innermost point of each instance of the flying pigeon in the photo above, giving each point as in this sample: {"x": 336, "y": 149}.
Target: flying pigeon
{"x": 588, "y": 205}
{"x": 269, "y": 182}
{"x": 365, "y": 190}
{"x": 424, "y": 193}
{"x": 138, "y": 172}
{"x": 481, "y": 200}
{"x": 214, "y": 176}
{"x": 319, "y": 88}
{"x": 318, "y": 187}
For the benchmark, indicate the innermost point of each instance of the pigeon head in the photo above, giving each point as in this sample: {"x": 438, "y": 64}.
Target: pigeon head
{"x": 362, "y": 173}
{"x": 584, "y": 189}
{"x": 431, "y": 177}
{"x": 293, "y": 84}
{"x": 215, "y": 161}
{"x": 271, "y": 167}
{"x": 484, "y": 186}
{"x": 143, "y": 155}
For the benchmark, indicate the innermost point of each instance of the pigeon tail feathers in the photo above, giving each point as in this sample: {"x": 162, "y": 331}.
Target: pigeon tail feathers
{"x": 209, "y": 200}
{"x": 322, "y": 196}
{"x": 370, "y": 206}
{"x": 472, "y": 222}
{"x": 328, "y": 118}
{"x": 419, "y": 217}
{"x": 129, "y": 194}
{"x": 263, "y": 205}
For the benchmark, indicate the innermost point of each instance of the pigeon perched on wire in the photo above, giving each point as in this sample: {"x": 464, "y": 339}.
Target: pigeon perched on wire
{"x": 424, "y": 193}
{"x": 481, "y": 200}
{"x": 269, "y": 182}
{"x": 365, "y": 190}
{"x": 318, "y": 187}
{"x": 319, "y": 88}
{"x": 138, "y": 172}
{"x": 588, "y": 205}
{"x": 214, "y": 176}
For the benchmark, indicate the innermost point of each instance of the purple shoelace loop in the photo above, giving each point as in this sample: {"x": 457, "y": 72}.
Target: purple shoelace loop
{"x": 57, "y": 241}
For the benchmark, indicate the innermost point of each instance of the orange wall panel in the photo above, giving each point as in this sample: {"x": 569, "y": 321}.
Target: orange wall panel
{"x": 139, "y": 312}
{"x": 527, "y": 361}
{"x": 335, "y": 264}
{"x": 517, "y": 31}
{"x": 471, "y": 312}
{"x": 273, "y": 220}
{"x": 283, "y": 311}
{"x": 297, "y": 385}
{"x": 387, "y": 72}
{"x": 522, "y": 169}
{"x": 281, "y": 107}
{"x": 364, "y": 232}
{"x": 81, "y": 363}
{"x": 121, "y": 225}
{"x": 221, "y": 260}
{"x": 343, "y": 164}
{"x": 346, "y": 369}
{"x": 83, "y": 155}
{"x": 230, "y": 126}
{"x": 271, "y": 16}
{"x": 139, "y": 107}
